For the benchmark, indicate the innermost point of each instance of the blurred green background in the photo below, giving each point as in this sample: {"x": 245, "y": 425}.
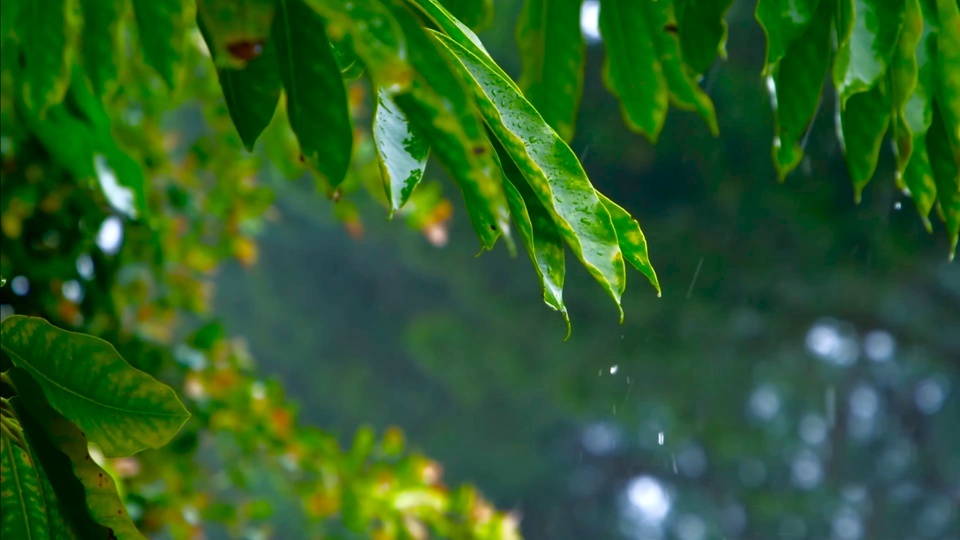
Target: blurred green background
{"x": 799, "y": 378}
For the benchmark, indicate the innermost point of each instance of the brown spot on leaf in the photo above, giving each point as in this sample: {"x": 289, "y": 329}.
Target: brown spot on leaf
{"x": 479, "y": 150}
{"x": 245, "y": 50}
{"x": 671, "y": 28}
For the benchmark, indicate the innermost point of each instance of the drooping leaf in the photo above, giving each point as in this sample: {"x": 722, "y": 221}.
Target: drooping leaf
{"x": 403, "y": 152}
{"x": 948, "y": 71}
{"x": 251, "y": 92}
{"x": 553, "y": 55}
{"x": 538, "y": 233}
{"x": 703, "y": 31}
{"x": 316, "y": 97}
{"x": 48, "y": 31}
{"x": 784, "y": 22}
{"x": 863, "y": 55}
{"x": 864, "y": 123}
{"x": 476, "y": 14}
{"x": 162, "y": 27}
{"x": 23, "y": 508}
{"x": 236, "y": 31}
{"x": 440, "y": 108}
{"x": 632, "y": 242}
{"x": 946, "y": 174}
{"x": 796, "y": 83}
{"x": 903, "y": 73}
{"x": 102, "y": 42}
{"x": 550, "y": 168}
{"x": 121, "y": 408}
{"x": 95, "y": 505}
{"x": 631, "y": 69}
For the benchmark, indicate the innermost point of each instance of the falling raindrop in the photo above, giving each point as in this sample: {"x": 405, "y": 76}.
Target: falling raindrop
{"x": 660, "y": 438}
{"x": 897, "y": 205}
{"x": 614, "y": 368}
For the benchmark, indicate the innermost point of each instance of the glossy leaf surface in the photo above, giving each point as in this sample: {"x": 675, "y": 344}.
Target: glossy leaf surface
{"x": 702, "y": 30}
{"x": 632, "y": 242}
{"x": 402, "y": 151}
{"x": 121, "y": 408}
{"x": 863, "y": 55}
{"x": 783, "y": 22}
{"x": 864, "y": 122}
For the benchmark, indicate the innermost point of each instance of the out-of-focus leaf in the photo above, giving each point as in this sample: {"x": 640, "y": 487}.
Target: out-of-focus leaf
{"x": 476, "y": 14}
{"x": 946, "y": 173}
{"x": 863, "y": 54}
{"x": 632, "y": 242}
{"x": 377, "y": 38}
{"x": 162, "y": 26}
{"x": 903, "y": 72}
{"x": 948, "y": 71}
{"x": 783, "y": 22}
{"x": 796, "y": 84}
{"x": 685, "y": 93}
{"x": 403, "y": 152}
{"x": 48, "y": 31}
{"x": 102, "y": 42}
{"x": 441, "y": 109}
{"x": 550, "y": 168}
{"x": 316, "y": 98}
{"x": 703, "y": 31}
{"x": 553, "y": 55}
{"x": 351, "y": 67}
{"x": 73, "y": 474}
{"x": 251, "y": 92}
{"x": 23, "y": 508}
{"x": 236, "y": 31}
{"x": 538, "y": 233}
{"x": 864, "y": 122}
{"x": 68, "y": 139}
{"x": 9, "y": 9}
{"x": 121, "y": 408}
{"x": 631, "y": 69}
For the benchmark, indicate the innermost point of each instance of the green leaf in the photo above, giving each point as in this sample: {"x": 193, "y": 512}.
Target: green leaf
{"x": 102, "y": 42}
{"x": 121, "y": 408}
{"x": 632, "y": 242}
{"x": 316, "y": 97}
{"x": 863, "y": 123}
{"x": 403, "y": 152}
{"x": 162, "y": 26}
{"x": 73, "y": 474}
{"x": 784, "y": 22}
{"x": 538, "y": 233}
{"x": 553, "y": 55}
{"x": 550, "y": 168}
{"x": 48, "y": 30}
{"x": 946, "y": 174}
{"x": 69, "y": 140}
{"x": 703, "y": 31}
{"x": 9, "y": 10}
{"x": 23, "y": 508}
{"x": 251, "y": 92}
{"x": 235, "y": 30}
{"x": 440, "y": 108}
{"x": 948, "y": 71}
{"x": 904, "y": 72}
{"x": 796, "y": 84}
{"x": 863, "y": 55}
{"x": 476, "y": 14}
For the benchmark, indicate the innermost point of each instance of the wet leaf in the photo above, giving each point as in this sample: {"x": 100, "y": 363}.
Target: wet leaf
{"x": 402, "y": 151}
{"x": 946, "y": 174}
{"x": 121, "y": 408}
{"x": 162, "y": 26}
{"x": 316, "y": 98}
{"x": 864, "y": 123}
{"x": 550, "y": 168}
{"x": 632, "y": 242}
{"x": 236, "y": 31}
{"x": 631, "y": 69}
{"x": 48, "y": 31}
{"x": 784, "y": 22}
{"x": 948, "y": 71}
{"x": 865, "y": 51}
{"x": 553, "y": 55}
{"x": 703, "y": 31}
{"x": 102, "y": 42}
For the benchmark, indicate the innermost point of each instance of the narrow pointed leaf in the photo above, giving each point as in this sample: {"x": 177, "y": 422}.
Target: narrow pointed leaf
{"x": 162, "y": 26}
{"x": 251, "y": 92}
{"x": 440, "y": 107}
{"x": 685, "y": 92}
{"x": 703, "y": 31}
{"x": 316, "y": 97}
{"x": 121, "y": 408}
{"x": 550, "y": 168}
{"x": 904, "y": 72}
{"x": 946, "y": 174}
{"x": 783, "y": 22}
{"x": 553, "y": 55}
{"x": 864, "y": 122}
{"x": 631, "y": 69}
{"x": 236, "y": 31}
{"x": 632, "y": 242}
{"x": 948, "y": 71}
{"x": 62, "y": 449}
{"x": 797, "y": 83}
{"x": 862, "y": 58}
{"x": 47, "y": 30}
{"x": 402, "y": 151}
{"x": 918, "y": 179}
{"x": 102, "y": 42}
{"x": 23, "y": 509}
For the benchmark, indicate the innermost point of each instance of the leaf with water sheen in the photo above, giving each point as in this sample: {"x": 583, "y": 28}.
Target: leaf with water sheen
{"x": 550, "y": 168}
{"x": 121, "y": 408}
{"x": 864, "y": 123}
{"x": 47, "y": 30}
{"x": 251, "y": 92}
{"x": 948, "y": 71}
{"x": 783, "y": 22}
{"x": 631, "y": 70}
{"x": 316, "y": 97}
{"x": 402, "y": 150}
{"x": 440, "y": 108}
{"x": 863, "y": 53}
{"x": 703, "y": 31}
{"x": 101, "y": 42}
{"x": 632, "y": 242}
{"x": 553, "y": 56}
{"x": 798, "y": 81}
{"x": 163, "y": 27}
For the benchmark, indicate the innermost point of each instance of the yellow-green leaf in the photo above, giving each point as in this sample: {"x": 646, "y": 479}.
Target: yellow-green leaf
{"x": 163, "y": 26}
{"x": 946, "y": 173}
{"x": 863, "y": 123}
{"x": 102, "y": 42}
{"x": 948, "y": 71}
{"x": 48, "y": 31}
{"x": 632, "y": 242}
